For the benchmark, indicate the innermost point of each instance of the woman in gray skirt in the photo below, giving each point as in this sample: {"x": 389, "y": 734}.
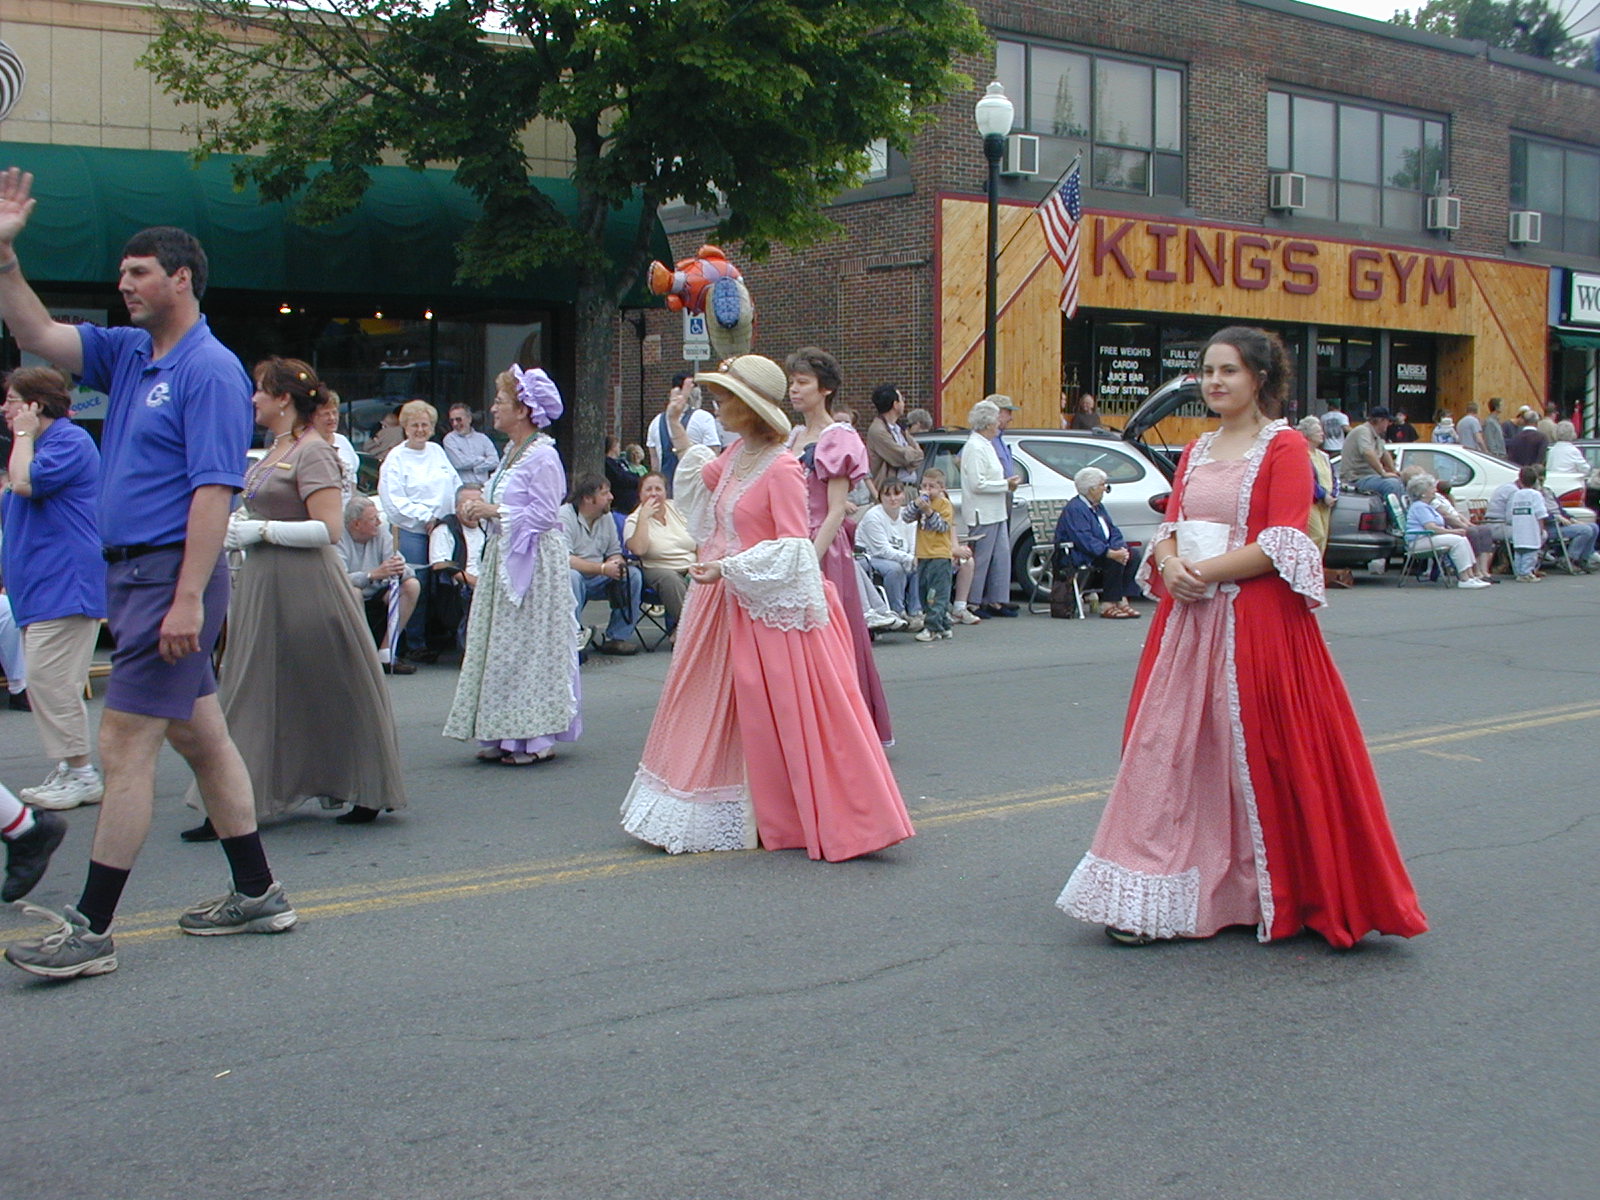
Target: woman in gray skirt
{"x": 300, "y": 683}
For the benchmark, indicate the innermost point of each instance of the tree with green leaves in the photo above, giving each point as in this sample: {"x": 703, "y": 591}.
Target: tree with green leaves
{"x": 761, "y": 110}
{"x": 1531, "y": 27}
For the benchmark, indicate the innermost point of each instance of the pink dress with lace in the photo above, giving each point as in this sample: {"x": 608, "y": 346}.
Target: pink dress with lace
{"x": 761, "y": 731}
{"x": 1246, "y": 795}
{"x": 839, "y": 451}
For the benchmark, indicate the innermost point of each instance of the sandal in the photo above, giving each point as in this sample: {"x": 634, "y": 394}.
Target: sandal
{"x": 490, "y": 754}
{"x": 1118, "y": 614}
{"x": 526, "y": 760}
{"x": 1123, "y": 938}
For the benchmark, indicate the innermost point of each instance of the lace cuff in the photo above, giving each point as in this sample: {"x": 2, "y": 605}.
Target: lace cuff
{"x": 779, "y": 583}
{"x": 690, "y": 493}
{"x": 1296, "y": 557}
{"x": 1147, "y": 565}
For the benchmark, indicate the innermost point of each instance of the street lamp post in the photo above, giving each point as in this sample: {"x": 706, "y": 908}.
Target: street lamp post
{"x": 993, "y": 114}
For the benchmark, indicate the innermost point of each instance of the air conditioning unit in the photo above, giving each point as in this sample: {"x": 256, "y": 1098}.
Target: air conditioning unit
{"x": 1022, "y": 155}
{"x": 1444, "y": 212}
{"x": 1287, "y": 191}
{"x": 1526, "y": 227}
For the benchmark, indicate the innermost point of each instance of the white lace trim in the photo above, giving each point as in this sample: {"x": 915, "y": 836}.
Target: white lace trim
{"x": 1146, "y": 570}
{"x": 779, "y": 583}
{"x": 662, "y": 816}
{"x": 1241, "y": 773}
{"x": 690, "y": 493}
{"x": 1296, "y": 557}
{"x": 1159, "y": 906}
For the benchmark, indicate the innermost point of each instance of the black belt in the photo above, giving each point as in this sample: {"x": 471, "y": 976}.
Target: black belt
{"x": 116, "y": 554}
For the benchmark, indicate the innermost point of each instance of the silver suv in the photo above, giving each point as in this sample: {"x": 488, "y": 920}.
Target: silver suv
{"x": 1047, "y": 459}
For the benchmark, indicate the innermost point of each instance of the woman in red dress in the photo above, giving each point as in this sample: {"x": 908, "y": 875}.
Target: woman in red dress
{"x": 1246, "y": 795}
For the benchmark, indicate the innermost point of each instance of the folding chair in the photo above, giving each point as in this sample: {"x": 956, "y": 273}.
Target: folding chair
{"x": 1555, "y": 552}
{"x": 1044, "y": 516}
{"x": 652, "y": 612}
{"x": 1442, "y": 565}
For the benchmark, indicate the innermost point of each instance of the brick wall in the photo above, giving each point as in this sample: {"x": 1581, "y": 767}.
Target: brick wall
{"x": 867, "y": 295}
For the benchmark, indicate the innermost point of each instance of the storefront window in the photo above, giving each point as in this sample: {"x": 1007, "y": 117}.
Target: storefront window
{"x": 1363, "y": 166}
{"x": 1346, "y": 366}
{"x": 1412, "y": 378}
{"x": 1130, "y": 113}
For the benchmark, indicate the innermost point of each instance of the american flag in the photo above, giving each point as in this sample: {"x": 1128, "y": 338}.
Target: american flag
{"x": 1061, "y": 215}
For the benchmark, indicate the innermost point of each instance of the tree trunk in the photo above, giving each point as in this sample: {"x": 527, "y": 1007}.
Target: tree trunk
{"x": 595, "y": 333}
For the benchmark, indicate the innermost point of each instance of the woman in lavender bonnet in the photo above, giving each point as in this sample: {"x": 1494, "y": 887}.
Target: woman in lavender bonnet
{"x": 518, "y": 692}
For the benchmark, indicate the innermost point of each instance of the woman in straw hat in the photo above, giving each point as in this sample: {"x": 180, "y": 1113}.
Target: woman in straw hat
{"x": 518, "y": 692}
{"x": 762, "y": 735}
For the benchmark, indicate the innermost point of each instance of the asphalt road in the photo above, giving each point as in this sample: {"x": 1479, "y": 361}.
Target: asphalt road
{"x": 499, "y": 994}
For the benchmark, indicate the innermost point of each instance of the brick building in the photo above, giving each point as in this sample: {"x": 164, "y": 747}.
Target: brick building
{"x": 1184, "y": 115}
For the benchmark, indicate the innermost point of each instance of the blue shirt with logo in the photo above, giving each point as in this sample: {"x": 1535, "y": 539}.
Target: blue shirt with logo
{"x": 51, "y": 555}
{"x": 172, "y": 425}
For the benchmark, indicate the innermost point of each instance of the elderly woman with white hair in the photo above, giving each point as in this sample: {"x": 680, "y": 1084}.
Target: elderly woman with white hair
{"x": 1096, "y": 542}
{"x": 1324, "y": 487}
{"x": 1563, "y": 455}
{"x": 1426, "y": 530}
{"x": 984, "y": 489}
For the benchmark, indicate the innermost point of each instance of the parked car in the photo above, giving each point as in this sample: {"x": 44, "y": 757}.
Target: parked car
{"x": 1359, "y": 530}
{"x": 1047, "y": 459}
{"x": 1473, "y": 476}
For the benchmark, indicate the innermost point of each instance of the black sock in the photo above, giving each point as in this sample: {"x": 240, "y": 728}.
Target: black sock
{"x": 101, "y": 892}
{"x": 247, "y": 859}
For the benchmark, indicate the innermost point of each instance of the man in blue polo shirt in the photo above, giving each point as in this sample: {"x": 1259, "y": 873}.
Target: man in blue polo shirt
{"x": 173, "y": 452}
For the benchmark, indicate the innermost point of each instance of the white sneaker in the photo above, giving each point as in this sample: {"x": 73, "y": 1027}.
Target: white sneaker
{"x": 1473, "y": 583}
{"x": 965, "y": 616}
{"x": 880, "y": 620}
{"x": 947, "y": 634}
{"x": 925, "y": 635}
{"x": 914, "y": 622}
{"x": 28, "y": 794}
{"x": 67, "y": 790}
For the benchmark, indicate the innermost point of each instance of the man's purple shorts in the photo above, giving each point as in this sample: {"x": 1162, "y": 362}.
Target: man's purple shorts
{"x": 139, "y": 595}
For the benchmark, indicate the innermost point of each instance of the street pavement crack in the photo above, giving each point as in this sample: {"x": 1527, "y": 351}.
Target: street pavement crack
{"x": 1548, "y": 837}
{"x": 754, "y": 993}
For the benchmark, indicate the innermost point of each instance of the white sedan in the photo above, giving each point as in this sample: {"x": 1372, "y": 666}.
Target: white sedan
{"x": 1047, "y": 460}
{"x": 1473, "y": 476}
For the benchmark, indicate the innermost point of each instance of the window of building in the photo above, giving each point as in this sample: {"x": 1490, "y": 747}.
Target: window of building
{"x": 1563, "y": 183}
{"x": 1129, "y": 113}
{"x": 1363, "y": 165}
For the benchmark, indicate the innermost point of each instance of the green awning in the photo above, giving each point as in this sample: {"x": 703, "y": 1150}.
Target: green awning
{"x": 400, "y": 241}
{"x": 1578, "y": 341}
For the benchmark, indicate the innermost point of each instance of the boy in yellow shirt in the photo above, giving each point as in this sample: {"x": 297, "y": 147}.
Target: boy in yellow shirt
{"x": 933, "y": 515}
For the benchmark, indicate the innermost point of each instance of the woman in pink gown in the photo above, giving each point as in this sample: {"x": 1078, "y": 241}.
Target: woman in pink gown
{"x": 835, "y": 460}
{"x": 1246, "y": 795}
{"x": 761, "y": 735}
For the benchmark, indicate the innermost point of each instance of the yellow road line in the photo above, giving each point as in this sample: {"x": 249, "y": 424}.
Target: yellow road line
{"x": 930, "y": 813}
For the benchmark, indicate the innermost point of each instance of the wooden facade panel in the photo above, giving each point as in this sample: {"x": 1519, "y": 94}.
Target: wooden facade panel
{"x": 1491, "y": 314}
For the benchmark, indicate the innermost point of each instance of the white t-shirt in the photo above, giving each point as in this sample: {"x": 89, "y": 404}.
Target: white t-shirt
{"x": 700, "y": 425}
{"x": 886, "y": 537}
{"x": 417, "y": 486}
{"x": 442, "y": 546}
{"x": 1334, "y": 427}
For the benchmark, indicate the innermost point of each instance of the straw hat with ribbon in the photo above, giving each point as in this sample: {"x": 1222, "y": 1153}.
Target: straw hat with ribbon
{"x": 759, "y": 382}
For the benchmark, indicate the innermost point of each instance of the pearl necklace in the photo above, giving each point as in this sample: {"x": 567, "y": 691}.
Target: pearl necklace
{"x": 258, "y": 475}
